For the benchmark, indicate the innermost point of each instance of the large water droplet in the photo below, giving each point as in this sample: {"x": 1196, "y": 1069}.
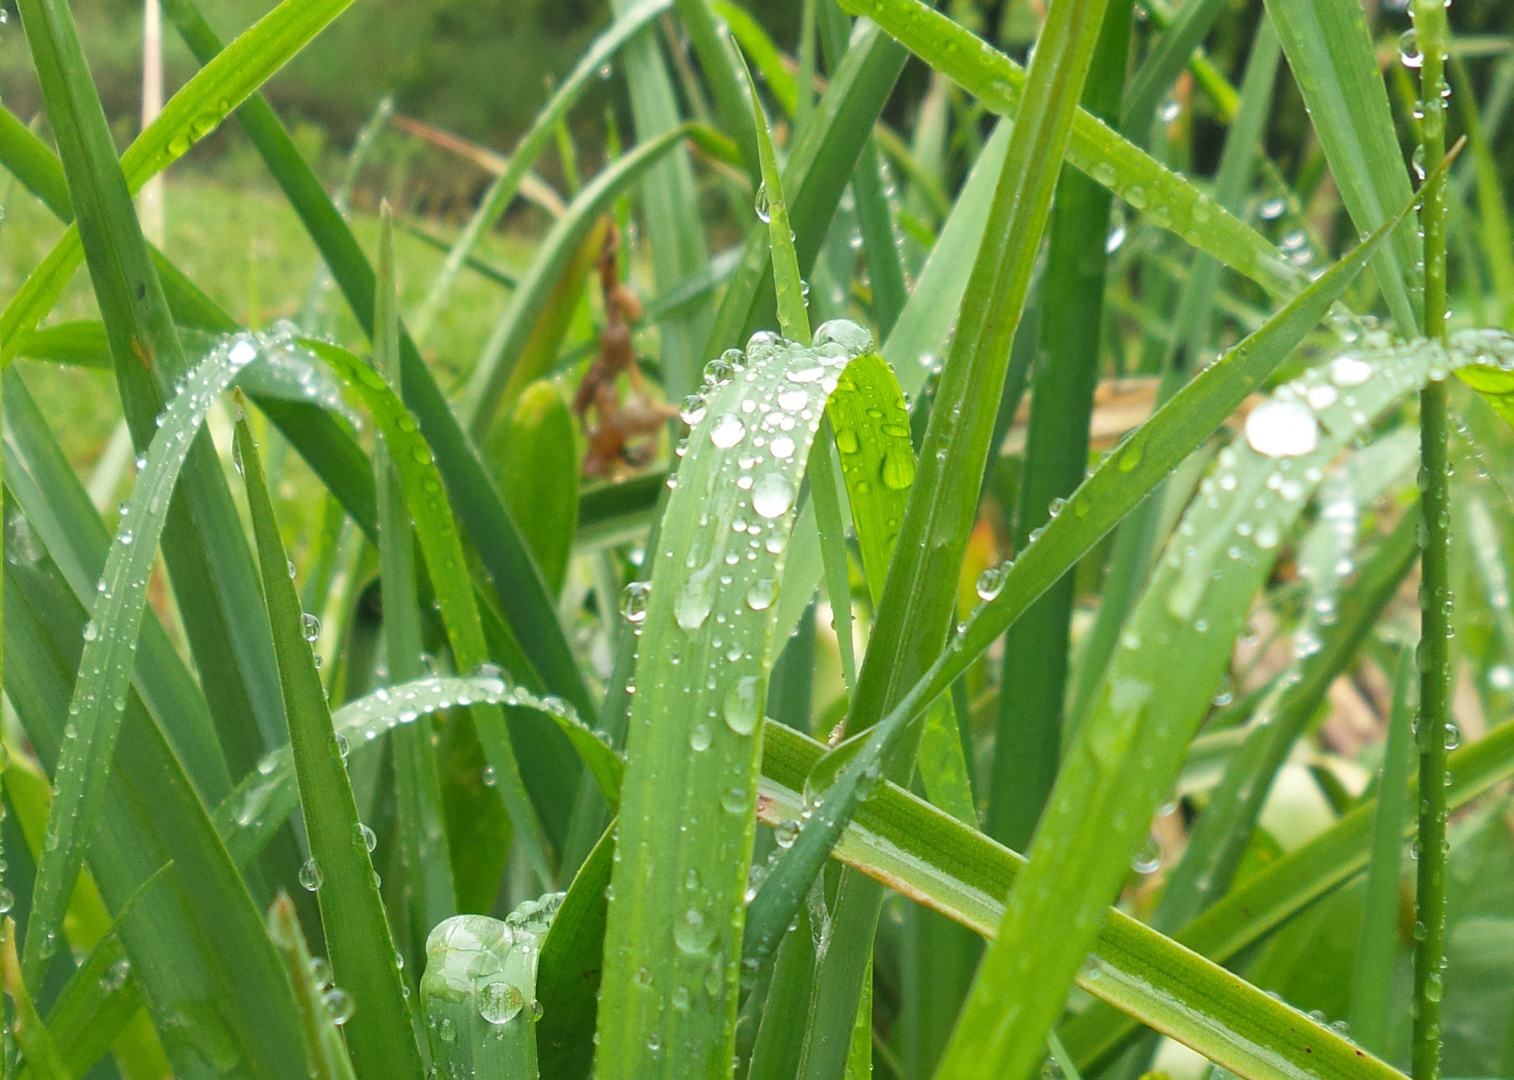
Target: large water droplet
{"x": 499, "y": 1003}
{"x": 695, "y": 599}
{"x": 693, "y": 933}
{"x": 761, "y": 205}
{"x": 310, "y": 875}
{"x": 1349, "y": 370}
{"x": 727, "y": 430}
{"x": 772, "y": 495}
{"x": 742, "y": 705}
{"x": 633, "y": 601}
{"x": 1278, "y": 428}
{"x": 759, "y": 597}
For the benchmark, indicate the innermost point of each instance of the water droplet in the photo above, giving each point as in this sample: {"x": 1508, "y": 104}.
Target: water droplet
{"x": 693, "y": 410}
{"x": 727, "y": 430}
{"x": 760, "y": 596}
{"x": 898, "y": 469}
{"x": 499, "y": 1003}
{"x": 1408, "y": 49}
{"x": 338, "y": 1004}
{"x": 773, "y": 494}
{"x": 91, "y": 631}
{"x": 761, "y": 206}
{"x": 310, "y": 875}
{"x": 1348, "y": 370}
{"x": 362, "y": 834}
{"x": 311, "y": 627}
{"x": 489, "y": 776}
{"x": 1501, "y": 677}
{"x": 693, "y": 933}
{"x": 743, "y": 705}
{"x": 633, "y": 601}
{"x": 1282, "y": 428}
{"x": 991, "y": 582}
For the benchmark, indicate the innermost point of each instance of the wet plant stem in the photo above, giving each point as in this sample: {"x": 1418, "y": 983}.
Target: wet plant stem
{"x": 1435, "y": 587}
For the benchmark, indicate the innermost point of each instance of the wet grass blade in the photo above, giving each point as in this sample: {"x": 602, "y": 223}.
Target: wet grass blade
{"x": 486, "y": 385}
{"x": 497, "y": 199}
{"x": 1330, "y": 51}
{"x": 31, "y": 1034}
{"x": 110, "y": 641}
{"x": 1170, "y": 56}
{"x": 938, "y": 861}
{"x": 428, "y": 505}
{"x": 379, "y": 1035}
{"x": 264, "y": 799}
{"x": 325, "y": 1052}
{"x": 1168, "y": 199}
{"x": 672, "y": 956}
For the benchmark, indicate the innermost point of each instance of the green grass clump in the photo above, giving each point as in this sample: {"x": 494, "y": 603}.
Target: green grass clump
{"x": 978, "y": 621}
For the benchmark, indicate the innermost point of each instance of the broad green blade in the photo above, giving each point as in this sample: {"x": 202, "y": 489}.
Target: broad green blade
{"x": 379, "y": 1034}
{"x": 496, "y": 363}
{"x": 1168, "y": 200}
{"x": 496, "y": 200}
{"x": 1335, "y": 65}
{"x": 479, "y": 991}
{"x": 936, "y": 860}
{"x": 325, "y": 1052}
{"x": 675, "y": 919}
{"x": 428, "y": 505}
{"x": 110, "y": 639}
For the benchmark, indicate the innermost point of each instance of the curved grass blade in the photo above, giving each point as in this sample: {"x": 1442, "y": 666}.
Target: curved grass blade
{"x": 447, "y": 565}
{"x": 516, "y": 581}
{"x": 1171, "y": 55}
{"x": 325, "y": 1052}
{"x": 497, "y": 199}
{"x": 675, "y": 918}
{"x": 1329, "y": 48}
{"x": 1168, "y": 200}
{"x": 264, "y": 799}
{"x": 110, "y": 640}
{"x": 479, "y": 991}
{"x": 379, "y": 1035}
{"x": 938, "y": 861}
{"x": 1116, "y": 487}
{"x": 497, "y": 360}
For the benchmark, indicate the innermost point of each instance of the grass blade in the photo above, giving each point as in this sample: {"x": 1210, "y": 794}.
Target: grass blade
{"x": 1033, "y": 684}
{"x": 110, "y": 640}
{"x": 362, "y": 953}
{"x": 936, "y": 860}
{"x": 31, "y": 1034}
{"x": 428, "y": 862}
{"x": 676, "y": 914}
{"x": 325, "y": 1052}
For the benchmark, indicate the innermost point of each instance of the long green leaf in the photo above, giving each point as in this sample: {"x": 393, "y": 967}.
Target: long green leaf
{"x": 379, "y": 1035}
{"x": 325, "y": 1052}
{"x": 936, "y": 860}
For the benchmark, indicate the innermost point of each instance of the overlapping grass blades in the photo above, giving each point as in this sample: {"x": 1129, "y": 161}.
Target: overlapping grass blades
{"x": 672, "y": 950}
{"x": 340, "y": 871}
